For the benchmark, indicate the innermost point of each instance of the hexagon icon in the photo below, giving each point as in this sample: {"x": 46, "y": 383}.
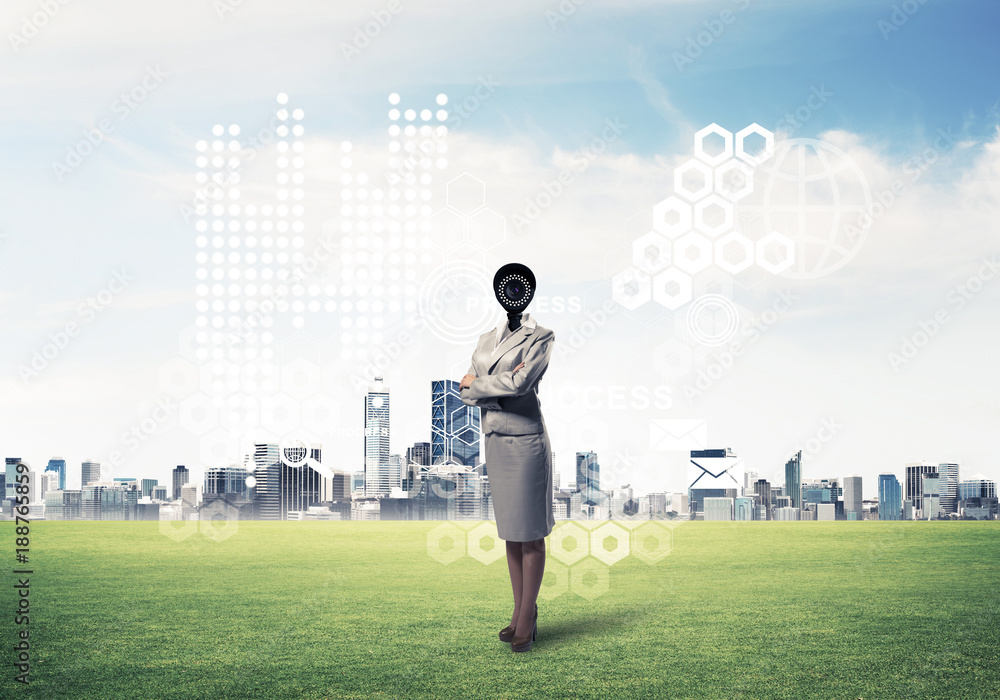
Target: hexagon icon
{"x": 693, "y": 180}
{"x": 672, "y": 288}
{"x": 672, "y": 217}
{"x": 590, "y": 579}
{"x": 555, "y": 582}
{"x": 320, "y": 414}
{"x": 721, "y": 154}
{"x": 218, "y": 448}
{"x": 486, "y": 229}
{"x": 631, "y": 288}
{"x": 734, "y": 180}
{"x": 218, "y": 520}
{"x": 280, "y": 413}
{"x": 447, "y": 229}
{"x": 178, "y": 533}
{"x": 734, "y": 252}
{"x": 775, "y": 252}
{"x": 198, "y": 414}
{"x": 178, "y": 378}
{"x": 609, "y": 543}
{"x": 692, "y": 253}
{"x": 300, "y": 378}
{"x": 446, "y": 543}
{"x": 652, "y": 541}
{"x": 713, "y": 215}
{"x": 479, "y": 536}
{"x": 466, "y": 194}
{"x": 569, "y": 542}
{"x": 757, "y": 155}
{"x": 651, "y": 252}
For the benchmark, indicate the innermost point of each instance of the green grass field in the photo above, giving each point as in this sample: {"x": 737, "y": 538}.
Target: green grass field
{"x": 359, "y": 610}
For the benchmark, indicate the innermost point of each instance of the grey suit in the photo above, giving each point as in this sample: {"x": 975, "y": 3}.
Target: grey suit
{"x": 518, "y": 453}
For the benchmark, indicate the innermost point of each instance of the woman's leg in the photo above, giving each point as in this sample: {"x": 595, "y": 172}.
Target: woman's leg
{"x": 516, "y": 576}
{"x": 533, "y": 563}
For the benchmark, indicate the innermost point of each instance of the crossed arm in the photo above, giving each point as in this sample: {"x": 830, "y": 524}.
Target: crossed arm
{"x": 482, "y": 391}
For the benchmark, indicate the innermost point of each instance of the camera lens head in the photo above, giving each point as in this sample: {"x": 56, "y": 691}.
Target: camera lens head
{"x": 514, "y": 285}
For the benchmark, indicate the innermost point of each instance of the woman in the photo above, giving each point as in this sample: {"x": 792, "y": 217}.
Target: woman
{"x": 503, "y": 381}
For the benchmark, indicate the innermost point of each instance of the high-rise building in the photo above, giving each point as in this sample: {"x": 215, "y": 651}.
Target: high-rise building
{"x": 376, "y": 435}
{"x": 762, "y": 489}
{"x": 852, "y": 498}
{"x": 58, "y": 465}
{"x": 454, "y": 425}
{"x": 588, "y": 478}
{"x": 718, "y": 508}
{"x": 890, "y": 497}
{"x": 977, "y": 488}
{"x": 48, "y": 481}
{"x": 420, "y": 454}
{"x": 303, "y": 483}
{"x": 930, "y": 495}
{"x": 745, "y": 508}
{"x": 949, "y": 487}
{"x": 10, "y": 477}
{"x": 181, "y": 477}
{"x": 222, "y": 480}
{"x": 265, "y": 462}
{"x": 90, "y": 472}
{"x": 793, "y": 479}
{"x": 147, "y": 487}
{"x": 913, "y": 486}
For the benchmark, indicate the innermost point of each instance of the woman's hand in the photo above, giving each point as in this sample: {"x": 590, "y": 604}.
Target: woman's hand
{"x": 518, "y": 367}
{"x": 466, "y": 381}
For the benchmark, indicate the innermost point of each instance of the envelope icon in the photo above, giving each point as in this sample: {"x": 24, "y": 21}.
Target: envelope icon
{"x": 678, "y": 434}
{"x": 715, "y": 469}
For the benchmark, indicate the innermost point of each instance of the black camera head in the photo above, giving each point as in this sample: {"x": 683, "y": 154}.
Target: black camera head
{"x": 514, "y": 286}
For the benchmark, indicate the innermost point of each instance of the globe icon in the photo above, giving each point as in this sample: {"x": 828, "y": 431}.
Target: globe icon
{"x": 816, "y": 195}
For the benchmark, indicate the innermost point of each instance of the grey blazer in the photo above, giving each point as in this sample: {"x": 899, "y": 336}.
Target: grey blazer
{"x": 508, "y": 399}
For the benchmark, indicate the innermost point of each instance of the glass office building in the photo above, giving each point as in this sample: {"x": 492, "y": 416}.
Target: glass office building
{"x": 890, "y": 497}
{"x": 455, "y": 427}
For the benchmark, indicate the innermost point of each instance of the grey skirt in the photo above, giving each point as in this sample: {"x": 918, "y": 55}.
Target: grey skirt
{"x": 519, "y": 468}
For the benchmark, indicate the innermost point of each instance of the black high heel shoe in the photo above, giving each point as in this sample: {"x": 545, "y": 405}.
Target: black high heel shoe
{"x": 507, "y": 633}
{"x": 518, "y": 644}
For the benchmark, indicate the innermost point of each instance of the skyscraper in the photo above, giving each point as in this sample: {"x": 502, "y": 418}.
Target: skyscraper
{"x": 793, "y": 479}
{"x": 763, "y": 490}
{"x": 265, "y": 462}
{"x": 376, "y": 435}
{"x": 90, "y": 472}
{"x": 913, "y": 487}
{"x": 977, "y": 488}
{"x": 58, "y": 465}
{"x": 930, "y": 495}
{"x": 890, "y": 497}
{"x": 852, "y": 497}
{"x": 949, "y": 487}
{"x": 181, "y": 477}
{"x": 588, "y": 478}
{"x": 454, "y": 425}
{"x": 10, "y": 476}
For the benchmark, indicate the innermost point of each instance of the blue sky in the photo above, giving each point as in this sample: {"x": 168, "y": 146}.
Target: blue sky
{"x": 558, "y": 83}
